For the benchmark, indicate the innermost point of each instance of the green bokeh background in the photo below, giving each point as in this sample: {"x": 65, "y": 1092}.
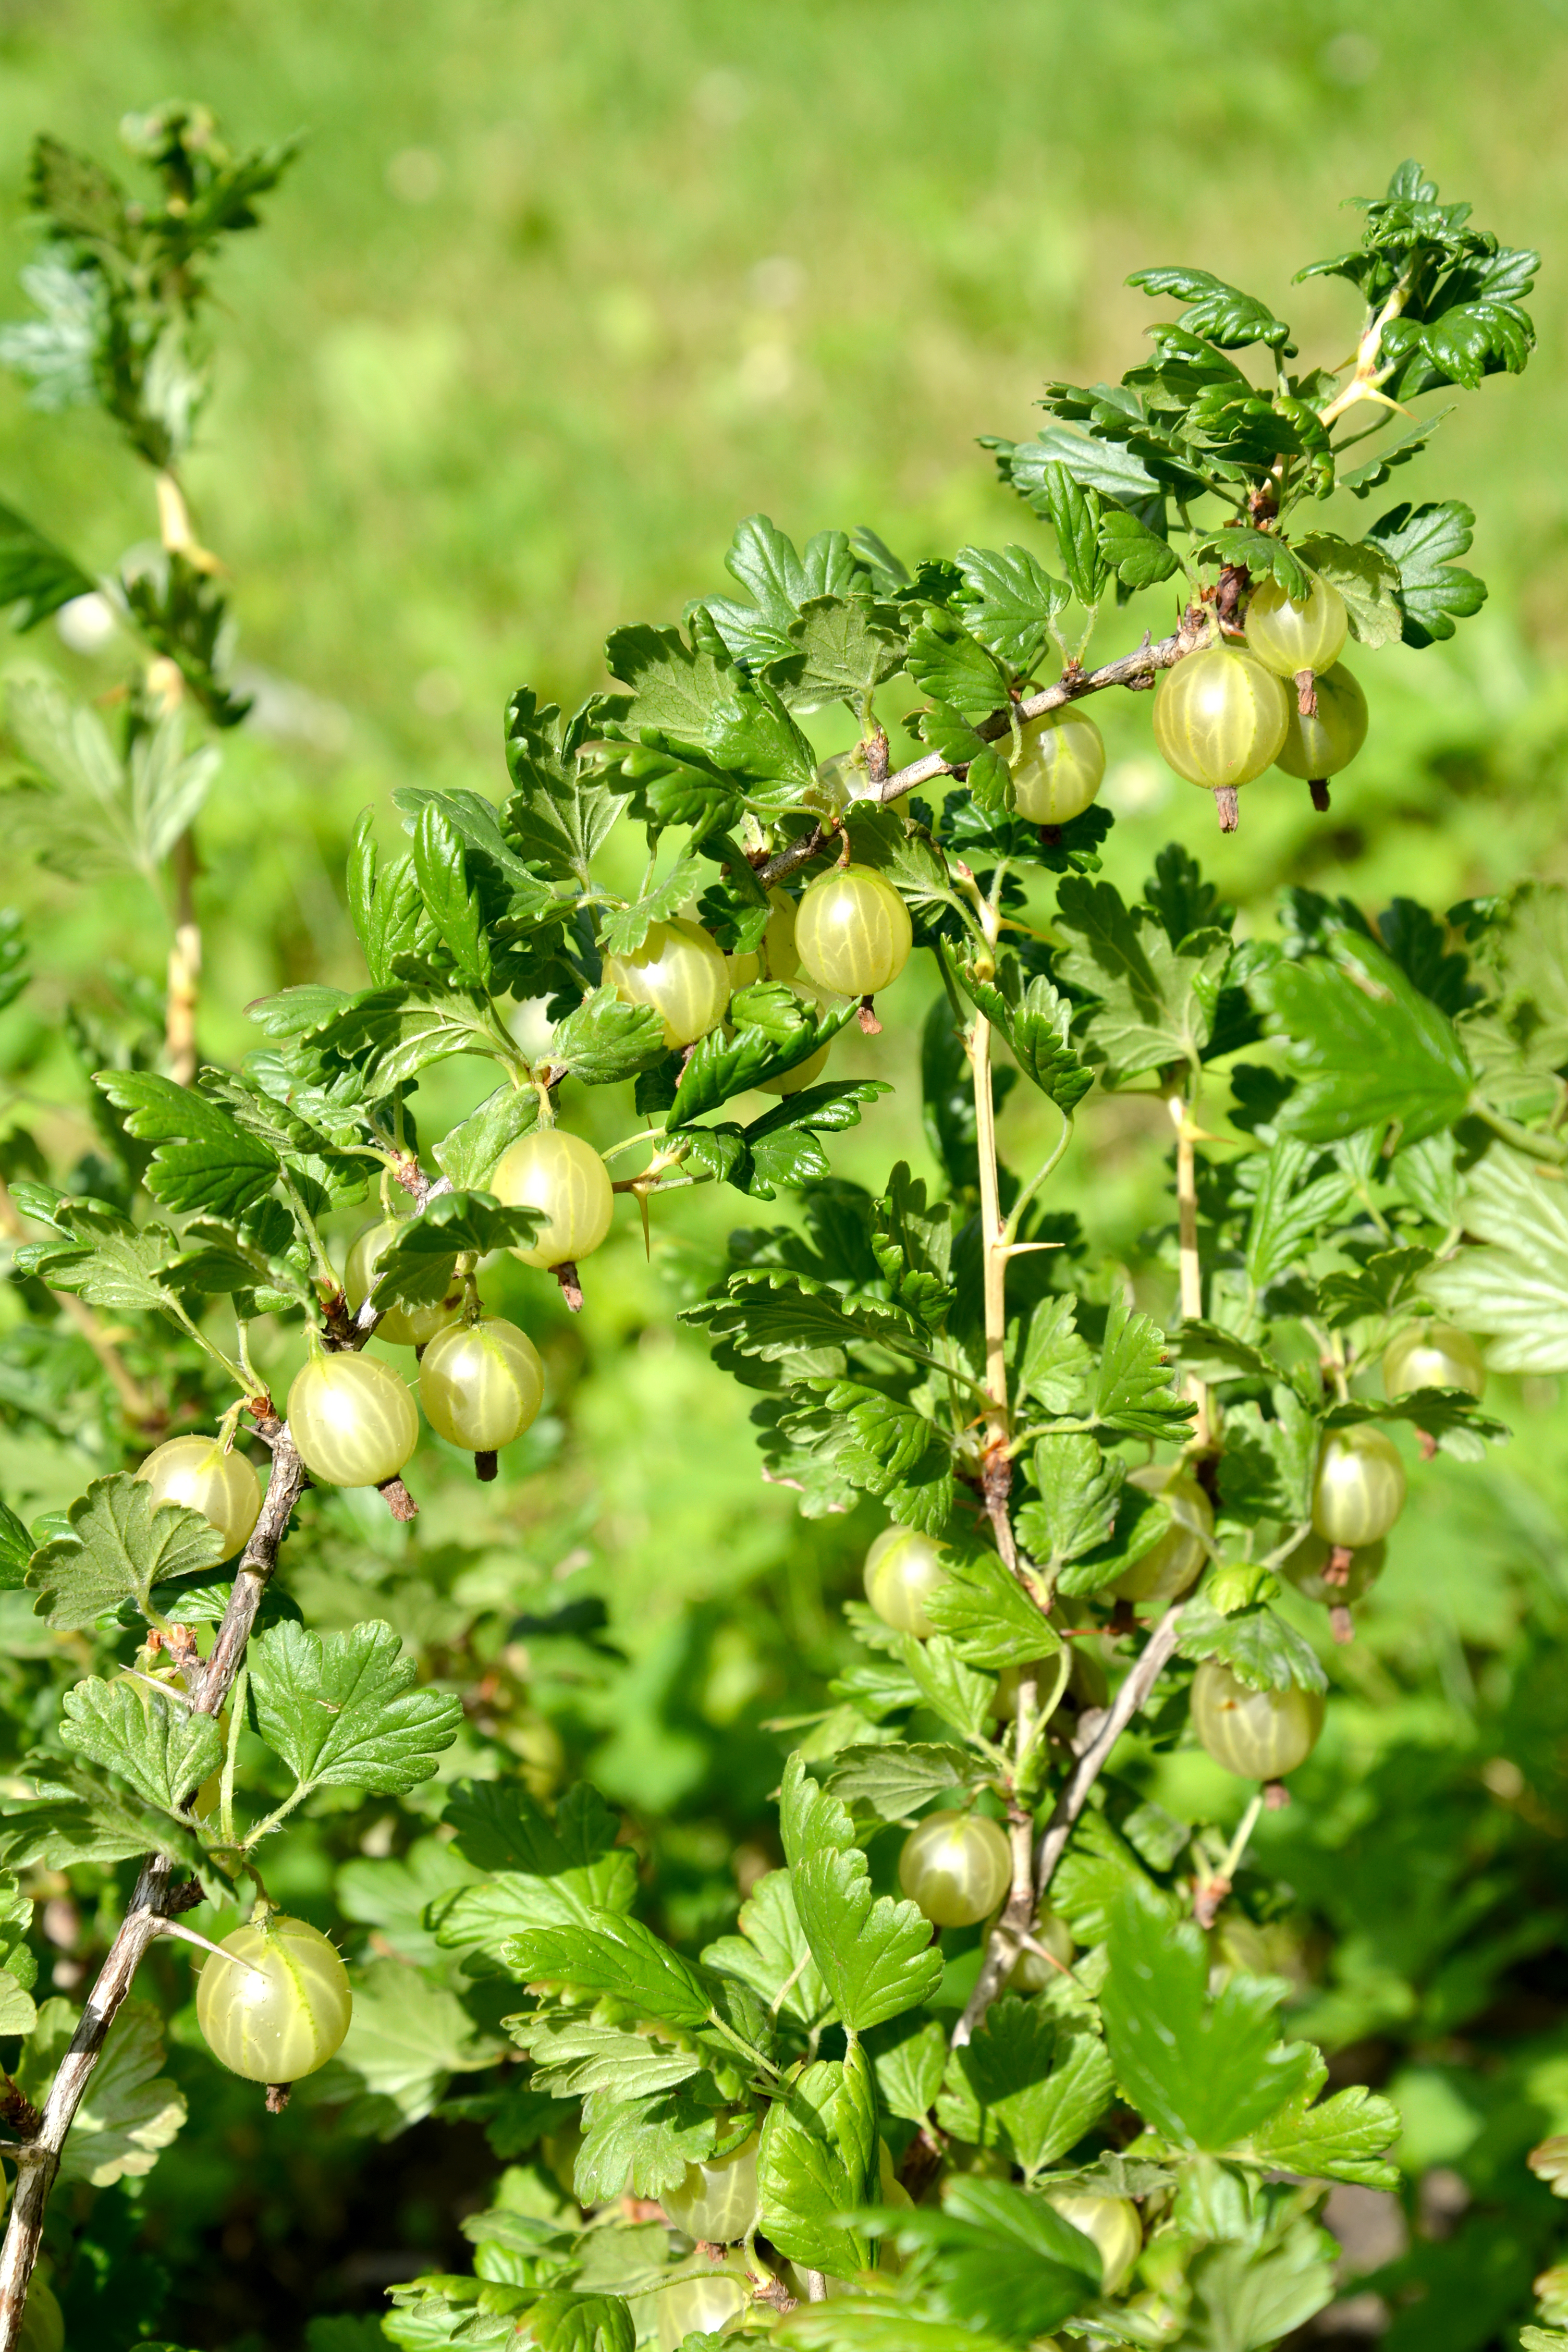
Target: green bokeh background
{"x": 552, "y": 298}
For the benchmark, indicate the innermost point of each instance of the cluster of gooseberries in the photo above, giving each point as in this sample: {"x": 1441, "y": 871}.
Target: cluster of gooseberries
{"x": 848, "y": 935}
{"x": 1222, "y": 715}
{"x": 956, "y": 1865}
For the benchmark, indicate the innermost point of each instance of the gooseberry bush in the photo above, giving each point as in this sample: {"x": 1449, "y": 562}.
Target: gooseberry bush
{"x": 994, "y": 2059}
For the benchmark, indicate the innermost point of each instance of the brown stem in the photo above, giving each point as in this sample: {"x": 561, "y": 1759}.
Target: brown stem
{"x": 153, "y": 1902}
{"x": 184, "y": 967}
{"x": 1140, "y": 667}
{"x": 990, "y": 1238}
{"x": 398, "y": 1500}
{"x": 1318, "y": 788}
{"x": 1104, "y": 1732}
{"x": 284, "y": 1488}
{"x": 1188, "y": 1260}
{"x": 1227, "y": 808}
{"x": 38, "y": 2160}
{"x": 1306, "y": 684}
{"x": 566, "y": 1274}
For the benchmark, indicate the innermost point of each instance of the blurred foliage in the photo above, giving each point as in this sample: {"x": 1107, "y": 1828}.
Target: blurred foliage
{"x": 550, "y": 298}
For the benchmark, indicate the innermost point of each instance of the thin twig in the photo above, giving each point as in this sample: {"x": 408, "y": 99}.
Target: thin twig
{"x": 154, "y": 1899}
{"x": 1107, "y": 1731}
{"x": 1132, "y": 669}
{"x": 1007, "y": 1935}
{"x": 1140, "y": 668}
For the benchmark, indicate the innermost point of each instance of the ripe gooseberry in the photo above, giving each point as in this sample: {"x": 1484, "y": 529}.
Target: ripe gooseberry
{"x": 1305, "y": 1565}
{"x": 1220, "y": 721}
{"x": 1360, "y": 1488}
{"x": 353, "y": 1419}
{"x": 681, "y": 972}
{"x": 43, "y": 2328}
{"x": 956, "y": 1866}
{"x": 222, "y": 1485}
{"x": 405, "y": 1326}
{"x": 852, "y": 932}
{"x": 1259, "y": 1735}
{"x": 280, "y": 2006}
{"x": 1287, "y": 636}
{"x": 1173, "y": 1563}
{"x": 482, "y": 1384}
{"x": 1111, "y": 2226}
{"x": 704, "y": 2304}
{"x": 1319, "y": 747}
{"x": 717, "y": 2202}
{"x": 777, "y": 958}
{"x": 1432, "y": 1355}
{"x": 565, "y": 1178}
{"x": 1061, "y": 766}
{"x": 902, "y": 1569}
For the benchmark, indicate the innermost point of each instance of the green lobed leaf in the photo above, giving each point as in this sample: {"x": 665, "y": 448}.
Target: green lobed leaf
{"x": 1029, "y": 2083}
{"x": 1217, "y": 312}
{"x": 1134, "y": 1390}
{"x": 874, "y": 1954}
{"x": 1056, "y": 1357}
{"x": 817, "y": 2159}
{"x": 1345, "y": 2137}
{"x": 1078, "y": 1489}
{"x": 151, "y": 1738}
{"x": 120, "y": 1545}
{"x": 1268, "y": 1468}
{"x": 950, "y": 664}
{"x": 896, "y": 1779}
{"x": 1289, "y": 1216}
{"x": 36, "y": 577}
{"x": 416, "y": 1269}
{"x": 1367, "y": 1047}
{"x": 987, "y": 1615}
{"x": 538, "y": 1872}
{"x": 203, "y": 1159}
{"x": 453, "y": 904}
{"x": 466, "y": 1152}
{"x": 129, "y": 2112}
{"x": 406, "y": 2039}
{"x": 574, "y": 2053}
{"x": 342, "y": 1711}
{"x": 620, "y": 1956}
{"x": 1155, "y": 1004}
{"x": 1509, "y": 1280}
{"x": 999, "y": 2257}
{"x": 1421, "y": 543}
{"x": 604, "y": 1040}
{"x": 1072, "y": 508}
{"x": 771, "y": 1954}
{"x": 1011, "y": 602}
{"x": 841, "y": 648}
{"x": 1204, "y": 2074}
{"x": 1259, "y": 1647}
{"x": 1139, "y": 557}
{"x": 1034, "y": 1019}
{"x": 1367, "y": 576}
